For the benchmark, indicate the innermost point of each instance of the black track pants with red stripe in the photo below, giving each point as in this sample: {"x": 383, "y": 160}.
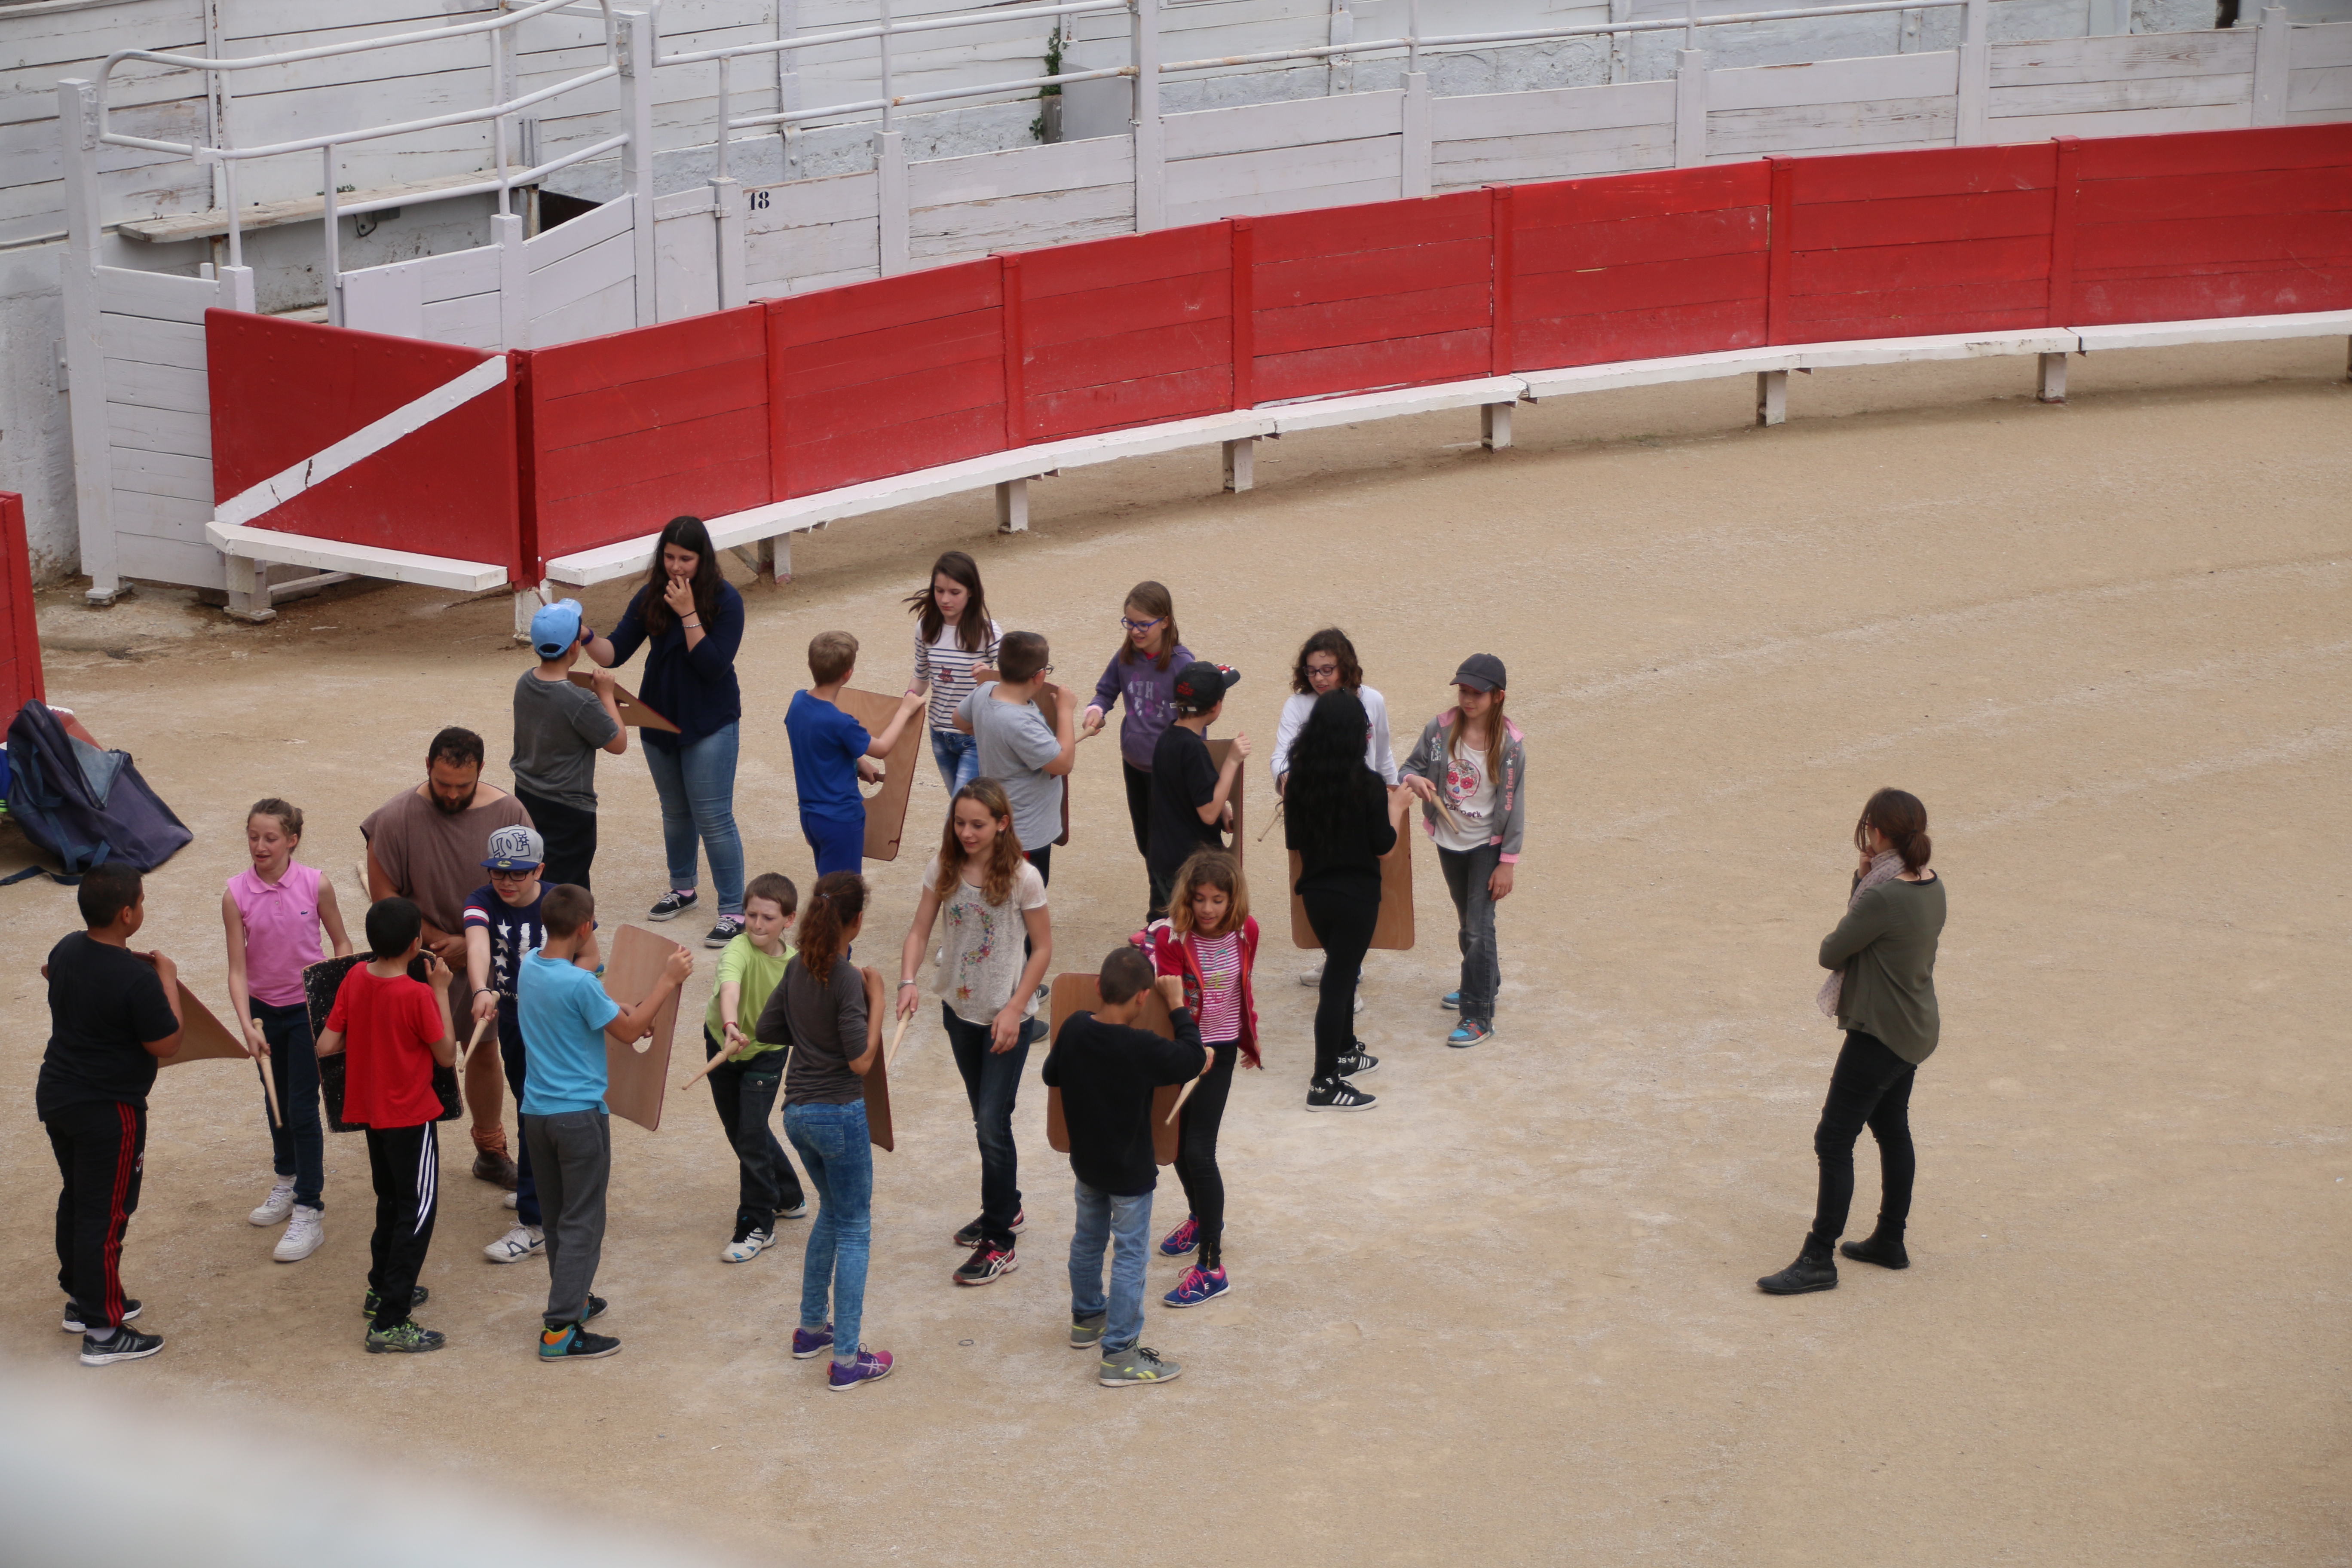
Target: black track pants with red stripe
{"x": 101, "y": 1150}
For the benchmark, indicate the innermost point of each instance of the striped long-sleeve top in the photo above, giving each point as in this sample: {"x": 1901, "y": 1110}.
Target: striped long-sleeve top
{"x": 948, "y": 666}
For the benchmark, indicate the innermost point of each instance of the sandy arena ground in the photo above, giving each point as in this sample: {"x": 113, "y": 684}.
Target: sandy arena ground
{"x": 1509, "y": 1316}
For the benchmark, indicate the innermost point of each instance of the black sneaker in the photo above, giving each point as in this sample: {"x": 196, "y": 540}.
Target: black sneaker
{"x": 77, "y": 1323}
{"x": 417, "y": 1298}
{"x": 671, "y": 905}
{"x": 1337, "y": 1094}
{"x": 573, "y": 1343}
{"x": 729, "y": 928}
{"x": 1807, "y": 1273}
{"x": 596, "y": 1305}
{"x": 976, "y": 1235}
{"x": 404, "y": 1339}
{"x": 1881, "y": 1248}
{"x": 128, "y": 1344}
{"x": 1356, "y": 1063}
{"x": 986, "y": 1265}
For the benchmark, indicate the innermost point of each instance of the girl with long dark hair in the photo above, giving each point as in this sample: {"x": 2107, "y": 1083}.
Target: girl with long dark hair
{"x": 1151, "y": 653}
{"x": 1881, "y": 992}
{"x": 1336, "y": 815}
{"x": 955, "y": 649}
{"x": 691, "y": 619}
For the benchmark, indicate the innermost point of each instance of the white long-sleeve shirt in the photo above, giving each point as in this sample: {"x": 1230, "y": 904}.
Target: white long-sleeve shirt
{"x": 1377, "y": 756}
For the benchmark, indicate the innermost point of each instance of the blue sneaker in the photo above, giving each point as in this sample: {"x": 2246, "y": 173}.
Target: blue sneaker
{"x": 1470, "y": 1032}
{"x": 871, "y": 1366}
{"x": 1451, "y": 1001}
{"x": 1182, "y": 1239}
{"x": 1198, "y": 1285}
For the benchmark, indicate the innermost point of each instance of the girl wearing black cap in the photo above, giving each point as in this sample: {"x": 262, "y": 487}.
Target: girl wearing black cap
{"x": 1336, "y": 815}
{"x": 1469, "y": 768}
{"x": 1881, "y": 992}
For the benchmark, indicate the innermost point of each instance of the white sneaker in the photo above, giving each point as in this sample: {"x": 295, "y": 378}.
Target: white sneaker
{"x": 1311, "y": 978}
{"x": 509, "y": 1200}
{"x": 304, "y": 1235}
{"x": 276, "y": 1205}
{"x": 523, "y": 1241}
{"x": 752, "y": 1244}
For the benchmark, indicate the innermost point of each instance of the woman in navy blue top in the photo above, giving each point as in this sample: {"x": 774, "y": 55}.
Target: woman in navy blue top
{"x": 691, "y": 621}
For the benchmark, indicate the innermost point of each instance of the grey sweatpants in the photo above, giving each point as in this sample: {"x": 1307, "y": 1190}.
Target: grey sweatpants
{"x": 572, "y": 1155}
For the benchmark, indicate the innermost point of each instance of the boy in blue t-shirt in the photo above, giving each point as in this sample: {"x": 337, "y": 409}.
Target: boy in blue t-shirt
{"x": 566, "y": 1018}
{"x": 831, "y": 752}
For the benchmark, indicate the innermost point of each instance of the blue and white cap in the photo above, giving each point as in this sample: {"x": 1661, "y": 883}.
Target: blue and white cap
{"x": 515, "y": 849}
{"x": 555, "y": 627}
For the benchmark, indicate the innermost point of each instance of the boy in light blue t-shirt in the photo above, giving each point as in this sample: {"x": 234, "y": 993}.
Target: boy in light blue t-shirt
{"x": 566, "y": 1018}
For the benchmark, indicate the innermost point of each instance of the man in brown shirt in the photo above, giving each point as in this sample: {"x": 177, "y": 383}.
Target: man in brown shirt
{"x": 427, "y": 845}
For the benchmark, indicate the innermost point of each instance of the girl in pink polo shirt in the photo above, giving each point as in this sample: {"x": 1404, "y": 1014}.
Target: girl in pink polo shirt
{"x": 272, "y": 913}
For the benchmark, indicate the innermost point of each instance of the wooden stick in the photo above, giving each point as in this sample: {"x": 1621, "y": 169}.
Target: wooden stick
{"x": 277, "y": 1117}
{"x": 1270, "y": 822}
{"x": 1181, "y": 1099}
{"x": 891, "y": 1055}
{"x": 480, "y": 1026}
{"x": 725, "y": 1056}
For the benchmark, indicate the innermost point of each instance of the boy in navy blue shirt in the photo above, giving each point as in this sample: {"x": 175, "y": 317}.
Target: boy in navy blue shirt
{"x": 832, "y": 750}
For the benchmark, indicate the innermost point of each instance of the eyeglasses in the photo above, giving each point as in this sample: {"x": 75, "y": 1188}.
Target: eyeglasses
{"x": 1326, "y": 670}
{"x": 1045, "y": 670}
{"x": 1141, "y": 625}
{"x": 497, "y": 876}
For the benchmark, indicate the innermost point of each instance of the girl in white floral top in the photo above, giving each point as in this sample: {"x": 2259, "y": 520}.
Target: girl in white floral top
{"x": 992, "y": 898}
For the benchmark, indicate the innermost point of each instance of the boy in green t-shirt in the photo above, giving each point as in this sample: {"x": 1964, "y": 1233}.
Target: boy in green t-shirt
{"x": 744, "y": 1086}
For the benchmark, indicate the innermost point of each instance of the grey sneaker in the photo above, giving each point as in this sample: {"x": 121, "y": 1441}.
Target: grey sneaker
{"x": 1086, "y": 1334}
{"x": 1137, "y": 1363}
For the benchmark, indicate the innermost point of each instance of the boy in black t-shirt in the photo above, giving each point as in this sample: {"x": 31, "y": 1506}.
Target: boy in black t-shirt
{"x": 1107, "y": 1070}
{"x": 113, "y": 1013}
{"x": 502, "y": 923}
{"x": 1191, "y": 795}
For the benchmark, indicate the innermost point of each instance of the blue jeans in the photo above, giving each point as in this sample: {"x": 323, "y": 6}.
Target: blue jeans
{"x": 296, "y": 1147}
{"x": 837, "y": 1153}
{"x": 1124, "y": 1223}
{"x": 697, "y": 786}
{"x": 516, "y": 1060}
{"x": 991, "y": 1082}
{"x": 958, "y": 755}
{"x": 1467, "y": 871}
{"x": 838, "y": 843}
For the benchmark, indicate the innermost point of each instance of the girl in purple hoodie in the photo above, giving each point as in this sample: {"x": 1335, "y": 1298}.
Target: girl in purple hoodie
{"x": 1144, "y": 671}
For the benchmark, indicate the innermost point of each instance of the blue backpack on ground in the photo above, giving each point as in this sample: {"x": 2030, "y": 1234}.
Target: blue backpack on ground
{"x": 85, "y": 805}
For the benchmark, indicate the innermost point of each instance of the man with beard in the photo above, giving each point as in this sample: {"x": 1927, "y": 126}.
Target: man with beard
{"x": 428, "y": 845}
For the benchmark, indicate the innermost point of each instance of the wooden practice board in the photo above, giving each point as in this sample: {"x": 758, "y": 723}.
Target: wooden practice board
{"x": 320, "y": 981}
{"x": 635, "y": 714}
{"x": 202, "y": 1036}
{"x": 1083, "y": 993}
{"x": 636, "y": 1072}
{"x": 1218, "y": 751}
{"x": 1394, "y": 929}
{"x": 879, "y": 1131}
{"x": 886, "y": 808}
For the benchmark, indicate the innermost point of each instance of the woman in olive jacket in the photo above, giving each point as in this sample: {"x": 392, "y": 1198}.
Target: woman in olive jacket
{"x": 1881, "y": 992}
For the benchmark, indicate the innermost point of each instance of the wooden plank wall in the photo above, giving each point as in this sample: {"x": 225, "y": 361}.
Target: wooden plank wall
{"x": 1395, "y": 294}
{"x": 882, "y": 377}
{"x": 1640, "y": 267}
{"x": 1124, "y": 331}
{"x": 158, "y": 421}
{"x": 2234, "y": 223}
{"x": 2152, "y": 84}
{"x": 1283, "y": 157}
{"x": 582, "y": 276}
{"x": 1897, "y": 246}
{"x": 1834, "y": 106}
{"x": 148, "y": 100}
{"x": 2319, "y": 83}
{"x": 629, "y": 431}
{"x": 1021, "y": 199}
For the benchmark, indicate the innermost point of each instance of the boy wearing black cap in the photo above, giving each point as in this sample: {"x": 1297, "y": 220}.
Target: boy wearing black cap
{"x": 559, "y": 727}
{"x": 1191, "y": 795}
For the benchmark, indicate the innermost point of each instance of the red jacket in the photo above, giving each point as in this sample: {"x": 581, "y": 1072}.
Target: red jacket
{"x": 1173, "y": 954}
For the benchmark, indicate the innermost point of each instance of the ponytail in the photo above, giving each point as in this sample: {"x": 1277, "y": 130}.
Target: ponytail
{"x": 837, "y": 903}
{"x": 1898, "y": 815}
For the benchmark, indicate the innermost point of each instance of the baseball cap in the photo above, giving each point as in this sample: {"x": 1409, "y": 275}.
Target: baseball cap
{"x": 1200, "y": 686}
{"x": 1481, "y": 672}
{"x": 555, "y": 627}
{"x": 515, "y": 848}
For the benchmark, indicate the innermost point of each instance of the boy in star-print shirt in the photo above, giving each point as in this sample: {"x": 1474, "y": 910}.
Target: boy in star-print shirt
{"x": 501, "y": 924}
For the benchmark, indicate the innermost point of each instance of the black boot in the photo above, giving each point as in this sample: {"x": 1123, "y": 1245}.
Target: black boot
{"x": 1812, "y": 1270}
{"x": 1884, "y": 1248}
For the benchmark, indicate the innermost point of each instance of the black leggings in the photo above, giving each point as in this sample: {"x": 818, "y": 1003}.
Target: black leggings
{"x": 1343, "y": 924}
{"x": 1870, "y": 1087}
{"x": 1196, "y": 1151}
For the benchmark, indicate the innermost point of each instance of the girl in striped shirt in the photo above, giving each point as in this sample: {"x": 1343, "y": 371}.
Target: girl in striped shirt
{"x": 955, "y": 649}
{"x": 1210, "y": 941}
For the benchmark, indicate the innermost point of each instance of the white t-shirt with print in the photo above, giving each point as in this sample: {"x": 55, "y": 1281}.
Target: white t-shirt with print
{"x": 1470, "y": 792}
{"x": 980, "y": 944}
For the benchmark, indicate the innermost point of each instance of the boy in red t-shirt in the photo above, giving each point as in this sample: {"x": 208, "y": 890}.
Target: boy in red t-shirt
{"x": 396, "y": 1029}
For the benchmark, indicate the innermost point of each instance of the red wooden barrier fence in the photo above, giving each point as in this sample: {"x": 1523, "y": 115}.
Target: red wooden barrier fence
{"x": 804, "y": 395}
{"x": 20, "y": 638}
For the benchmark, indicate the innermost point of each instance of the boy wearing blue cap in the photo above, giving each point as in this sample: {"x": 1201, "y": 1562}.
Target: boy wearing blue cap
{"x": 559, "y": 727}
